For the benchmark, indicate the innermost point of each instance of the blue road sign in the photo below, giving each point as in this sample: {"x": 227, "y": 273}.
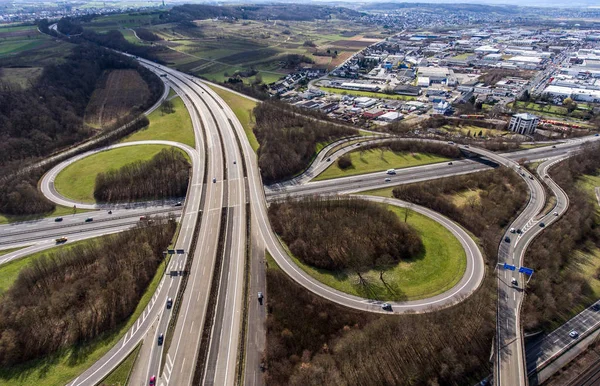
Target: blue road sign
{"x": 526, "y": 271}
{"x": 171, "y": 251}
{"x": 509, "y": 267}
{"x": 180, "y": 251}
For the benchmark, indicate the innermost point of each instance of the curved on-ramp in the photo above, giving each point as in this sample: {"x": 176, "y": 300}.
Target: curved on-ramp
{"x": 47, "y": 183}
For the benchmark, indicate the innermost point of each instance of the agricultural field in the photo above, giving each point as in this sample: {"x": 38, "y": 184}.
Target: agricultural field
{"x": 24, "y": 46}
{"x": 119, "y": 92}
{"x": 217, "y": 49}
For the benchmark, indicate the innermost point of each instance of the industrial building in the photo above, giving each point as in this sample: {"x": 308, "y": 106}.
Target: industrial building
{"x": 523, "y": 123}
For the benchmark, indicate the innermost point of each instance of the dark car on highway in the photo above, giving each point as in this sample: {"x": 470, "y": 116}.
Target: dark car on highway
{"x": 260, "y": 297}
{"x": 58, "y": 219}
{"x": 161, "y": 338}
{"x": 89, "y": 219}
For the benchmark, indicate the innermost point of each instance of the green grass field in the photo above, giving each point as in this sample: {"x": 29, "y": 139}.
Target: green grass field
{"x": 439, "y": 268}
{"x": 77, "y": 180}
{"x": 176, "y": 126}
{"x": 475, "y": 130}
{"x": 374, "y": 160}
{"x": 120, "y": 375}
{"x": 242, "y": 108}
{"x": 60, "y": 368}
{"x": 59, "y": 211}
{"x": 367, "y": 94}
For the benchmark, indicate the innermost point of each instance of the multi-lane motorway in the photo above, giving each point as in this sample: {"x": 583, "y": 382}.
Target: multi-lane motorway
{"x": 225, "y": 192}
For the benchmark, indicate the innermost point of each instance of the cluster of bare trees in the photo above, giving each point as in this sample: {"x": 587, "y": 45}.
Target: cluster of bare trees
{"x": 558, "y": 286}
{"x": 344, "y": 233}
{"x": 73, "y": 295}
{"x": 502, "y": 195}
{"x": 165, "y": 175}
{"x": 311, "y": 341}
{"x": 288, "y": 140}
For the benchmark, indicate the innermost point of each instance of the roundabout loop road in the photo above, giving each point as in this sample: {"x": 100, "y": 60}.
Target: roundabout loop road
{"x": 470, "y": 281}
{"x": 47, "y": 183}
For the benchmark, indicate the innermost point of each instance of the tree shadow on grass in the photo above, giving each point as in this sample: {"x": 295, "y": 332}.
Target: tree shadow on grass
{"x": 22, "y": 372}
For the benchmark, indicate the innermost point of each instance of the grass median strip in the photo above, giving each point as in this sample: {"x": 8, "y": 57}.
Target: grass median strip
{"x": 438, "y": 269}
{"x": 377, "y": 160}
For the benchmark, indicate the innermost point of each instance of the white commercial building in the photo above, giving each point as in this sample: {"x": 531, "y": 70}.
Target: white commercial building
{"x": 577, "y": 94}
{"x": 524, "y": 123}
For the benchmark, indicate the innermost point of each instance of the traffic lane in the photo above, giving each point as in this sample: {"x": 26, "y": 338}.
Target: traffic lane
{"x": 47, "y": 243}
{"x": 377, "y": 180}
{"x": 257, "y": 314}
{"x": 83, "y": 223}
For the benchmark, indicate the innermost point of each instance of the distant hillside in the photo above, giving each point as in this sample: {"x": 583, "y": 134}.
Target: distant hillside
{"x": 298, "y": 12}
{"x": 465, "y": 7}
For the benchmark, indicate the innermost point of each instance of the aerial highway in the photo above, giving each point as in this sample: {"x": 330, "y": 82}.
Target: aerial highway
{"x": 223, "y": 155}
{"x": 510, "y": 361}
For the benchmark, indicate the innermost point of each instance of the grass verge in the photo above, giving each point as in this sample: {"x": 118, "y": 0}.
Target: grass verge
{"x": 375, "y": 160}
{"x": 438, "y": 269}
{"x": 242, "y": 108}
{"x": 7, "y": 251}
{"x": 120, "y": 375}
{"x": 176, "y": 126}
{"x": 77, "y": 180}
{"x": 61, "y": 367}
